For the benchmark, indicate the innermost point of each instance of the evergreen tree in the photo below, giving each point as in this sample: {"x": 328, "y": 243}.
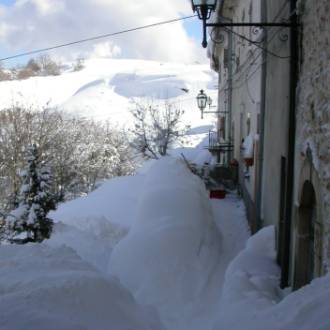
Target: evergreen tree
{"x": 29, "y": 222}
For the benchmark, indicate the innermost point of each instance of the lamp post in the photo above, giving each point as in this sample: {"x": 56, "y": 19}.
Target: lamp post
{"x": 204, "y": 8}
{"x": 201, "y": 101}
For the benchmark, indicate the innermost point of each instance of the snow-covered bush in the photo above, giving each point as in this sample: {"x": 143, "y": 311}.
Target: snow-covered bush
{"x": 29, "y": 221}
{"x": 80, "y": 153}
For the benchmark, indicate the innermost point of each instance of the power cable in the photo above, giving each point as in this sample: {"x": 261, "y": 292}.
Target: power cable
{"x": 43, "y": 50}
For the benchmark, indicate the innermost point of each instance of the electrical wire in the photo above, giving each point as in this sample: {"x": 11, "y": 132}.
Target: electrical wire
{"x": 107, "y": 35}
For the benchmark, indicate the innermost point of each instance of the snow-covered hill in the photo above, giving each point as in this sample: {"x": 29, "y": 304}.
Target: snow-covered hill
{"x": 104, "y": 89}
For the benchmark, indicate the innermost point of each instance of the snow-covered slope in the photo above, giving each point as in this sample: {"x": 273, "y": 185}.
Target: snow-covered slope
{"x": 105, "y": 88}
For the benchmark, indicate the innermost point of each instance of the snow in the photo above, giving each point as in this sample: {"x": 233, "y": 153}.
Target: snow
{"x": 251, "y": 291}
{"x": 103, "y": 205}
{"x": 52, "y": 288}
{"x": 189, "y": 260}
{"x": 174, "y": 238}
{"x": 104, "y": 89}
{"x": 248, "y": 146}
{"x": 153, "y": 239}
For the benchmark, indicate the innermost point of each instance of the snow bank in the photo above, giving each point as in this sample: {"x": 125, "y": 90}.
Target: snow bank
{"x": 94, "y": 224}
{"x": 114, "y": 202}
{"x": 48, "y": 288}
{"x": 252, "y": 299}
{"x": 95, "y": 249}
{"x": 173, "y": 247}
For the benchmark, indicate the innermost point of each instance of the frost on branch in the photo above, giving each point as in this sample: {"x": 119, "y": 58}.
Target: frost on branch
{"x": 156, "y": 129}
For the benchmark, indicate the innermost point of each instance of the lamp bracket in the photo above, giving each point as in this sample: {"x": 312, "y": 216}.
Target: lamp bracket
{"x": 260, "y": 24}
{"x": 224, "y": 112}
{"x": 235, "y": 24}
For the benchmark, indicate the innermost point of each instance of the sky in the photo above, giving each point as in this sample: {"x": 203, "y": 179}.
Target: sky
{"x": 27, "y": 25}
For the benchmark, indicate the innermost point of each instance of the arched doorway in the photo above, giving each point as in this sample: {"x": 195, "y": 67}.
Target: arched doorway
{"x": 308, "y": 238}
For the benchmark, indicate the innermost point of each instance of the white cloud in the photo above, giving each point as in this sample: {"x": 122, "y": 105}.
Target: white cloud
{"x": 35, "y": 24}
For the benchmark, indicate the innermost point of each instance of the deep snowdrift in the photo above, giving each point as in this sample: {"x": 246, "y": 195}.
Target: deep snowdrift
{"x": 48, "y": 288}
{"x": 173, "y": 247}
{"x": 94, "y": 224}
{"x": 252, "y": 300}
{"x": 114, "y": 201}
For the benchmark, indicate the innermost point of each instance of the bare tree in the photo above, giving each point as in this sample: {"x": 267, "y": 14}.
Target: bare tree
{"x": 79, "y": 65}
{"x": 34, "y": 66}
{"x": 4, "y": 75}
{"x": 156, "y": 128}
{"x": 48, "y": 65}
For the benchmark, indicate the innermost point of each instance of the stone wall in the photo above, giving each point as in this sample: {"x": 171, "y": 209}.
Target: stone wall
{"x": 313, "y": 111}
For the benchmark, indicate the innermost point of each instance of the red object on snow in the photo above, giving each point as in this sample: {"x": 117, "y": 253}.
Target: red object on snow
{"x": 248, "y": 162}
{"x": 219, "y": 194}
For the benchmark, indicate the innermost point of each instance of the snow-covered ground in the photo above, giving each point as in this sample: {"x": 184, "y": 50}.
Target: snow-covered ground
{"x": 105, "y": 88}
{"x": 149, "y": 251}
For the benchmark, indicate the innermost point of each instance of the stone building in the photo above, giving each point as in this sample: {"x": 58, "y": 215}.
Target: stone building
{"x": 311, "y": 207}
{"x": 274, "y": 107}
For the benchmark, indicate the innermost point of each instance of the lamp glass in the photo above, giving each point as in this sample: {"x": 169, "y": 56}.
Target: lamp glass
{"x": 209, "y": 3}
{"x": 201, "y": 100}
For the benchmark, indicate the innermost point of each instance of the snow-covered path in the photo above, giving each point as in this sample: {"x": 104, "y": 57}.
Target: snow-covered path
{"x": 229, "y": 215}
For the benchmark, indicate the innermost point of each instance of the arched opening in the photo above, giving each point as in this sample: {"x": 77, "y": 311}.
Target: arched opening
{"x": 307, "y": 238}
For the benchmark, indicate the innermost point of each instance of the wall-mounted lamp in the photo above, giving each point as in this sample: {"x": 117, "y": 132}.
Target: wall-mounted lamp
{"x": 201, "y": 101}
{"x": 204, "y": 8}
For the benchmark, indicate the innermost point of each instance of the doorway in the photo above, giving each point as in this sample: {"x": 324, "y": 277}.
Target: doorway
{"x": 308, "y": 238}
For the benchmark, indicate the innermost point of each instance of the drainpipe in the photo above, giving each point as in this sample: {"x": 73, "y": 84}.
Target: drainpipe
{"x": 228, "y": 116}
{"x": 259, "y": 220}
{"x": 291, "y": 144}
{"x": 230, "y": 90}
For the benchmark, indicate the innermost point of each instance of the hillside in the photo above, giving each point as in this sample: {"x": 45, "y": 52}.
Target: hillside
{"x": 105, "y": 88}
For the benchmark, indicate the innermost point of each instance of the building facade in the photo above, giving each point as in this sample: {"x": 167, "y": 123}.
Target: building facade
{"x": 274, "y": 108}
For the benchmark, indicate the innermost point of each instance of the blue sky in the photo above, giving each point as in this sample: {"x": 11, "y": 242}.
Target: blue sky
{"x": 58, "y": 32}
{"x": 7, "y": 2}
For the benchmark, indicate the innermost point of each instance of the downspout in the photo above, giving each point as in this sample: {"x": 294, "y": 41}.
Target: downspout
{"x": 291, "y": 143}
{"x": 228, "y": 117}
{"x": 230, "y": 91}
{"x": 259, "y": 220}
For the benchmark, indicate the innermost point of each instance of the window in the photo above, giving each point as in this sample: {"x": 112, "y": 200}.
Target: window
{"x": 248, "y": 124}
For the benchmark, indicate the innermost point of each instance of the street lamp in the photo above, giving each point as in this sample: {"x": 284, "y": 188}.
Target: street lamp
{"x": 201, "y": 101}
{"x": 204, "y": 9}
